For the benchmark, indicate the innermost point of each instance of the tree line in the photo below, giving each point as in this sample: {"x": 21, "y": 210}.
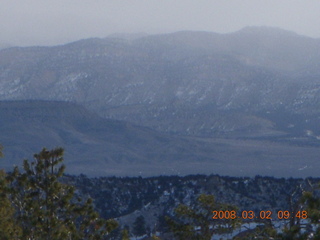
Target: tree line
{"x": 36, "y": 205}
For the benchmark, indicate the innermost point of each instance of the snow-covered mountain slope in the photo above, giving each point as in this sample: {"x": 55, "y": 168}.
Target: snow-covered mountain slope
{"x": 195, "y": 83}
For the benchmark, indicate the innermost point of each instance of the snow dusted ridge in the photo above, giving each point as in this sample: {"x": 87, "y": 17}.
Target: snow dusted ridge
{"x": 192, "y": 83}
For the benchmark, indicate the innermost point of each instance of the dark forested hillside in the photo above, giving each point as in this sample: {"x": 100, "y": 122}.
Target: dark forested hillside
{"x": 153, "y": 198}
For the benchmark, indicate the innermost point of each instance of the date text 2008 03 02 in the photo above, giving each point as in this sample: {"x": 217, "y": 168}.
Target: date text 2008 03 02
{"x": 260, "y": 215}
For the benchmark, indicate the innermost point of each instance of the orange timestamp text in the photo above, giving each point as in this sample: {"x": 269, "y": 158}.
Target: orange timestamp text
{"x": 261, "y": 215}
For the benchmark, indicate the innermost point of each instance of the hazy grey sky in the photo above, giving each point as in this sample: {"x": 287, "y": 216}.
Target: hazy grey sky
{"x": 47, "y": 22}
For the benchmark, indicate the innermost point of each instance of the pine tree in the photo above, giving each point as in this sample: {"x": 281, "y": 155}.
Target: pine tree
{"x": 125, "y": 234}
{"x": 46, "y": 208}
{"x": 9, "y": 228}
{"x": 312, "y": 203}
{"x": 200, "y": 217}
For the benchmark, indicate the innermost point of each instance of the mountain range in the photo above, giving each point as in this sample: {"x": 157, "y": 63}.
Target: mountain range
{"x": 249, "y": 98}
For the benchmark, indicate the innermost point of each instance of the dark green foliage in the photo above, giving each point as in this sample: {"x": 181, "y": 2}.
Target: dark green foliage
{"x": 200, "y": 217}
{"x": 312, "y": 203}
{"x": 125, "y": 234}
{"x": 9, "y": 227}
{"x": 313, "y": 206}
{"x": 46, "y": 208}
